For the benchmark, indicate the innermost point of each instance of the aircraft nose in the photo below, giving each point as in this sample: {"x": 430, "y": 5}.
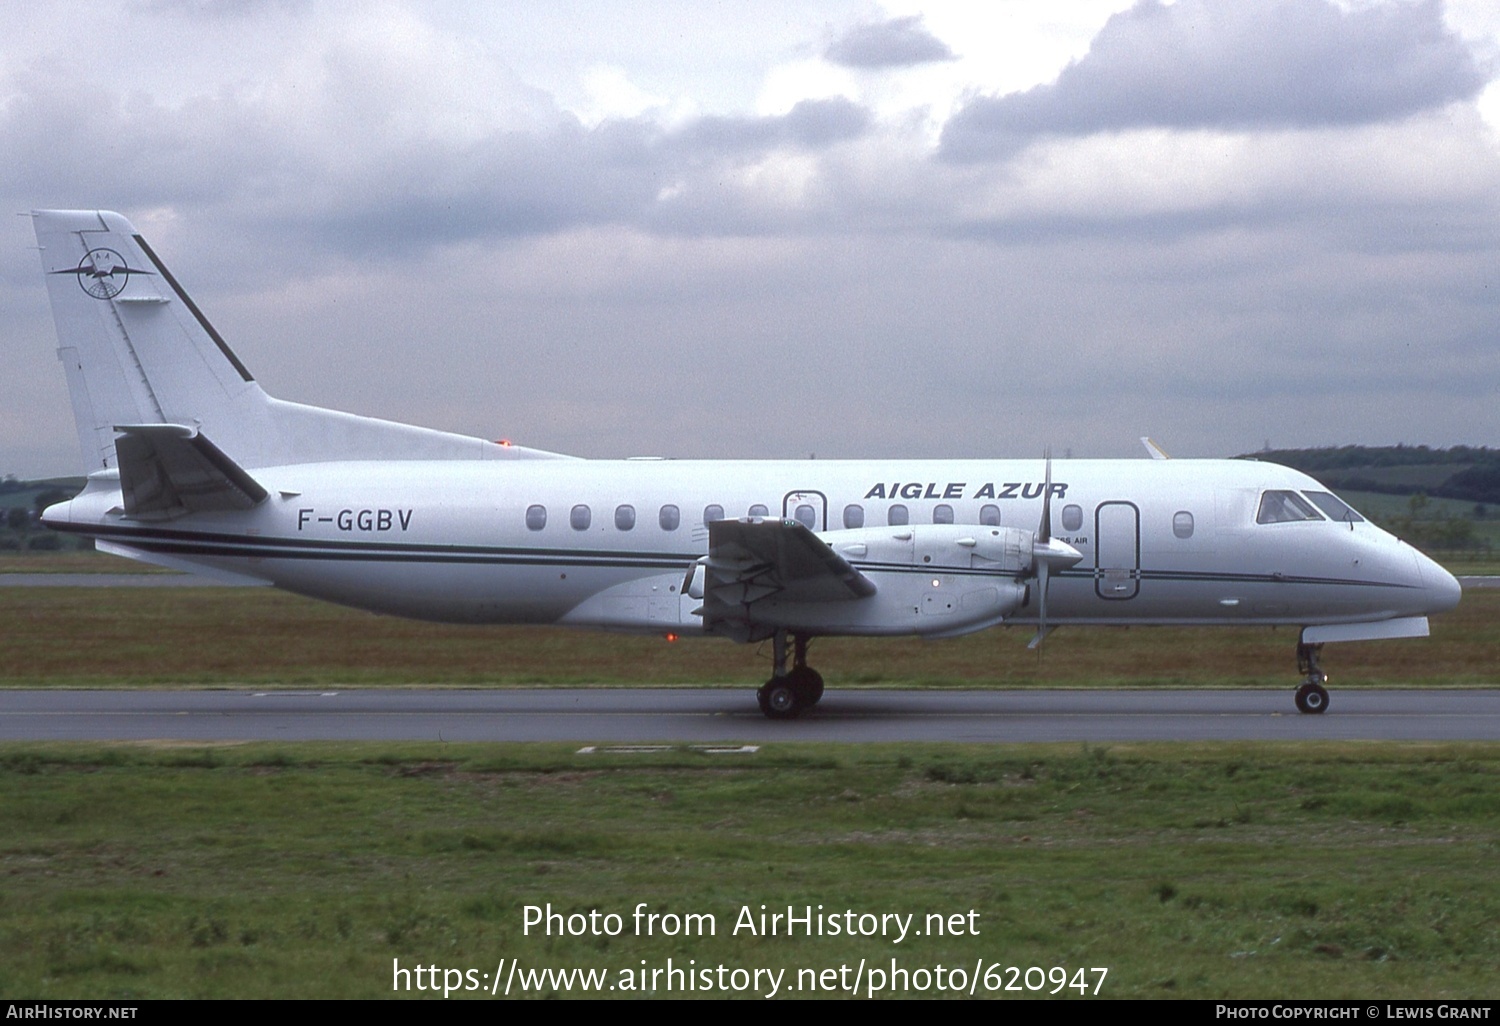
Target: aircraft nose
{"x": 1441, "y": 588}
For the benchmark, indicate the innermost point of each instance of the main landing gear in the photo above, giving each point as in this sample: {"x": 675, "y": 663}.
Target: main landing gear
{"x": 1312, "y": 696}
{"x": 787, "y": 693}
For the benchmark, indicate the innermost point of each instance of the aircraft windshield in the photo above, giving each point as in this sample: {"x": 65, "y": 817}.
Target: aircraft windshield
{"x": 1284, "y": 507}
{"x": 1335, "y": 508}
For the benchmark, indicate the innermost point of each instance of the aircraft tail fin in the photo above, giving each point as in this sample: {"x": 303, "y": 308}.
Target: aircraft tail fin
{"x": 139, "y": 351}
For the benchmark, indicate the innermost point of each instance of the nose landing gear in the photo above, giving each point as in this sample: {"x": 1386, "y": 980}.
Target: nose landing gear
{"x": 1312, "y": 696}
{"x": 787, "y": 693}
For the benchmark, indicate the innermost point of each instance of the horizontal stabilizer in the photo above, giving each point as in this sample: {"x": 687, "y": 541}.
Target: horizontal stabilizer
{"x": 169, "y": 470}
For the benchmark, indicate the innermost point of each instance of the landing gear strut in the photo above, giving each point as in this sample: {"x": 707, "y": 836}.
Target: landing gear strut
{"x": 787, "y": 693}
{"x": 1312, "y": 697}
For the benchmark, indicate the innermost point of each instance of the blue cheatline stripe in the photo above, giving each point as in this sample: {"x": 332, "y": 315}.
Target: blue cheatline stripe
{"x": 203, "y": 543}
{"x": 303, "y": 548}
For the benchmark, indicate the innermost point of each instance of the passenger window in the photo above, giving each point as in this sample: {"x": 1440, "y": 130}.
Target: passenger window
{"x": 898, "y": 516}
{"x": 624, "y": 518}
{"x": 580, "y": 518}
{"x": 669, "y": 517}
{"x": 989, "y": 516}
{"x": 1284, "y": 507}
{"x": 759, "y": 510}
{"x": 1072, "y": 517}
{"x": 942, "y": 514}
{"x": 806, "y": 516}
{"x": 1335, "y": 508}
{"x": 1182, "y": 524}
{"x": 854, "y": 516}
{"x": 536, "y": 517}
{"x": 712, "y": 513}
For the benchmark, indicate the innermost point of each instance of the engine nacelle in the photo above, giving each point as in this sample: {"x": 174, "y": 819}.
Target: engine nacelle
{"x": 953, "y": 547}
{"x": 935, "y": 580}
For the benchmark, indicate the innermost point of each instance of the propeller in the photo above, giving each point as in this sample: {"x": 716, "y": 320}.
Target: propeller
{"x": 1045, "y": 554}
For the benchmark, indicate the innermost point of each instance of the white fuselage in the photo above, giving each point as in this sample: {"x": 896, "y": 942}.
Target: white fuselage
{"x": 196, "y": 466}
{"x": 597, "y": 543}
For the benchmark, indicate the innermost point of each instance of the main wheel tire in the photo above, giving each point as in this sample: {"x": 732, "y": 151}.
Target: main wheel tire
{"x": 808, "y": 684}
{"x": 778, "y": 699}
{"x": 1312, "y": 698}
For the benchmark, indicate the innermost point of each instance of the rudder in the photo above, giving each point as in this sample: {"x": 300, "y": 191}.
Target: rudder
{"x": 138, "y": 351}
{"x": 135, "y": 348}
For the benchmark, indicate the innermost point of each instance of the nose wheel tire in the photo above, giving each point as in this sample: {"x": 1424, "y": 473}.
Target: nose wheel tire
{"x": 1312, "y": 697}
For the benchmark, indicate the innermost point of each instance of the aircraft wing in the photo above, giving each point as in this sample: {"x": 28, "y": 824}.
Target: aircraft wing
{"x": 752, "y": 560}
{"x": 168, "y": 470}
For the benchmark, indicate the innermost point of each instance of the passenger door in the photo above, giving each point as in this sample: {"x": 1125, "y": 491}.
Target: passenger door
{"x": 1117, "y": 550}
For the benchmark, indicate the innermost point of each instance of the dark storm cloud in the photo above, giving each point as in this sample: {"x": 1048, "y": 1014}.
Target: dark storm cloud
{"x": 1229, "y": 64}
{"x": 224, "y": 8}
{"x": 529, "y": 183}
{"x": 73, "y": 143}
{"x": 63, "y": 141}
{"x": 896, "y": 43}
{"x": 811, "y": 124}
{"x": 506, "y": 185}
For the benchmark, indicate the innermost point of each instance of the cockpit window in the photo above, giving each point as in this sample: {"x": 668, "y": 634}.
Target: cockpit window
{"x": 1334, "y": 507}
{"x": 1284, "y": 507}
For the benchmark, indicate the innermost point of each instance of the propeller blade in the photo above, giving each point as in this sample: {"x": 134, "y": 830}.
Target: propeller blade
{"x": 1045, "y": 555}
{"x": 1042, "y": 576}
{"x": 1040, "y": 545}
{"x": 1044, "y": 533}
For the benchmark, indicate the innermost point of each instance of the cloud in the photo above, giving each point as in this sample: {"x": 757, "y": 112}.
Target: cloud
{"x": 359, "y": 152}
{"x": 1232, "y": 65}
{"x": 899, "y": 42}
{"x": 418, "y": 204}
{"x": 811, "y": 124}
{"x": 221, "y": 8}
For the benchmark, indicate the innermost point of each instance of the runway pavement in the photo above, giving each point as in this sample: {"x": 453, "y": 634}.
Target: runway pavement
{"x": 692, "y": 715}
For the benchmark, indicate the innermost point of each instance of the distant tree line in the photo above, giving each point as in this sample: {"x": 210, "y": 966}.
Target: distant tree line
{"x": 1430, "y": 531}
{"x": 20, "y": 523}
{"x": 1475, "y": 477}
{"x": 1341, "y": 457}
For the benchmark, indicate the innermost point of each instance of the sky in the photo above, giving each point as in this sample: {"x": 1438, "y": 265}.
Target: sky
{"x": 768, "y": 228}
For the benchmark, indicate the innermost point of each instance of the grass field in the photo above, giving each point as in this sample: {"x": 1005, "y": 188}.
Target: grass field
{"x": 1192, "y": 870}
{"x": 76, "y": 561}
{"x": 1185, "y": 870}
{"x": 223, "y": 637}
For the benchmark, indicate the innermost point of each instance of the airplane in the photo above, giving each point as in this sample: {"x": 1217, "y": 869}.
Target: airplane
{"x": 193, "y": 466}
